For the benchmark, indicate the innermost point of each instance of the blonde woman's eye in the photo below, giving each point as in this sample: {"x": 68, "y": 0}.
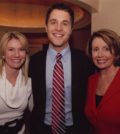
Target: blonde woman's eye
{"x": 10, "y": 49}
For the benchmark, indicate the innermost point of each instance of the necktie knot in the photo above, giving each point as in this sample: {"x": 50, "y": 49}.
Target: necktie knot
{"x": 58, "y": 57}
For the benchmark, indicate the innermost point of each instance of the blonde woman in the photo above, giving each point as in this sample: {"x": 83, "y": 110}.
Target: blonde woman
{"x": 15, "y": 85}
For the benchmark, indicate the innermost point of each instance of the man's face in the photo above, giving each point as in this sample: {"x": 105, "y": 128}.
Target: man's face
{"x": 59, "y": 29}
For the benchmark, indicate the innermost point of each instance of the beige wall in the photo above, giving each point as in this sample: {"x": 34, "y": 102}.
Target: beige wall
{"x": 108, "y": 16}
{"x": 89, "y": 5}
{"x": 94, "y": 4}
{"x": 105, "y": 13}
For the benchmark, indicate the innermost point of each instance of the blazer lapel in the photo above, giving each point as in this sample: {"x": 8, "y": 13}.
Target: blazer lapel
{"x": 113, "y": 89}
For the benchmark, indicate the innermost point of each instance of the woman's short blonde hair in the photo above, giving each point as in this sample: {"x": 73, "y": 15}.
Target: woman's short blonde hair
{"x": 6, "y": 37}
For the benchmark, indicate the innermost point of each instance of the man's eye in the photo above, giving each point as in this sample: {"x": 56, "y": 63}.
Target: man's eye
{"x": 52, "y": 22}
{"x": 65, "y": 24}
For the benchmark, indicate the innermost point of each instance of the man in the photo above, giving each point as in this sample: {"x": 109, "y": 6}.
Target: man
{"x": 59, "y": 25}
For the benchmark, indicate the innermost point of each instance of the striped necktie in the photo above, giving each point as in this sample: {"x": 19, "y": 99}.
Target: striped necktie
{"x": 58, "y": 98}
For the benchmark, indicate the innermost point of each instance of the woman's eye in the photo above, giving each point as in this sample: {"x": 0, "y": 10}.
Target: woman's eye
{"x": 95, "y": 49}
{"x": 107, "y": 49}
{"x": 10, "y": 49}
{"x": 22, "y": 49}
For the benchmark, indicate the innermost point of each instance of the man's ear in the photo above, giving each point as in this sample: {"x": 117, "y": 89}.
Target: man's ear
{"x": 71, "y": 30}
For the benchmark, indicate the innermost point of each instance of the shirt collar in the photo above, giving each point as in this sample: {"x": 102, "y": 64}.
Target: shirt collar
{"x": 65, "y": 53}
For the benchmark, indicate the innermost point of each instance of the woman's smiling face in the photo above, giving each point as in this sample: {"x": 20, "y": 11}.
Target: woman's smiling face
{"x": 15, "y": 54}
{"x": 102, "y": 57}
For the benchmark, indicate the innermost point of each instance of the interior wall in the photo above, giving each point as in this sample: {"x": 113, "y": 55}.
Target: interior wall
{"x": 107, "y": 16}
{"x": 80, "y": 38}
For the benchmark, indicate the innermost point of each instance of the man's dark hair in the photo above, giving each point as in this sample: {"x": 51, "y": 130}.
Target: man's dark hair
{"x": 61, "y": 6}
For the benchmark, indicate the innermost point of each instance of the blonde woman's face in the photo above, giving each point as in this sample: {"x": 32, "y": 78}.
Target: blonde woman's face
{"x": 14, "y": 55}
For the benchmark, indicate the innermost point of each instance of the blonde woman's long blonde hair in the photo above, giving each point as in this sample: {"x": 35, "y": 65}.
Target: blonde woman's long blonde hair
{"x": 24, "y": 42}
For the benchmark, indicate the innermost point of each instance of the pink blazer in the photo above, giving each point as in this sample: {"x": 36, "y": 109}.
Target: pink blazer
{"x": 105, "y": 118}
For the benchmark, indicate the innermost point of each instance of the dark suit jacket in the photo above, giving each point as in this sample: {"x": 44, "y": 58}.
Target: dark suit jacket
{"x": 106, "y": 116}
{"x": 80, "y": 70}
